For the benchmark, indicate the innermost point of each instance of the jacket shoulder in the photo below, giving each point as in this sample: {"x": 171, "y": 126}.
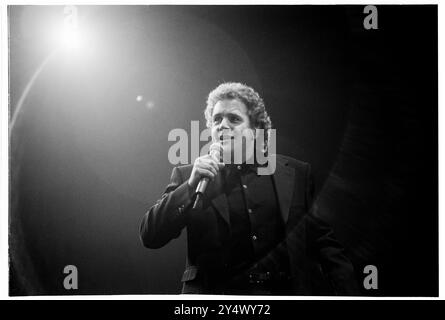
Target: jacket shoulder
{"x": 184, "y": 170}
{"x": 292, "y": 162}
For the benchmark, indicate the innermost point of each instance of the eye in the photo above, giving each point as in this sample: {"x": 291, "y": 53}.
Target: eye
{"x": 217, "y": 119}
{"x": 234, "y": 118}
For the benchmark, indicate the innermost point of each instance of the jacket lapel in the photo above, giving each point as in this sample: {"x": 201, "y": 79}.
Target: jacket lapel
{"x": 219, "y": 201}
{"x": 221, "y": 205}
{"x": 284, "y": 179}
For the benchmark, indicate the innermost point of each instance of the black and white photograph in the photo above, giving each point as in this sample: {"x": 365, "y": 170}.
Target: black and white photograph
{"x": 223, "y": 150}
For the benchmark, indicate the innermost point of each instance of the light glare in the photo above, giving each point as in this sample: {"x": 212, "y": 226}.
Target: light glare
{"x": 70, "y": 38}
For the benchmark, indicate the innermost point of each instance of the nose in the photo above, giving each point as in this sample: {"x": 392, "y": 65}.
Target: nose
{"x": 224, "y": 124}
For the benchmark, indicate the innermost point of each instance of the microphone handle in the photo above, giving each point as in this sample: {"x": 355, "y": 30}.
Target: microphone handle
{"x": 202, "y": 185}
{"x": 200, "y": 189}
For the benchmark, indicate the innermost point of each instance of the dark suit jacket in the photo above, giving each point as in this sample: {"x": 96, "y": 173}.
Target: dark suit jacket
{"x": 317, "y": 261}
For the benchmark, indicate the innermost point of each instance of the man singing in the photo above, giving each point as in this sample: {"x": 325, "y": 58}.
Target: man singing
{"x": 255, "y": 231}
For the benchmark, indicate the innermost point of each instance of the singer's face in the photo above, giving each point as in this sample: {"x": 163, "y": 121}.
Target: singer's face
{"x": 230, "y": 122}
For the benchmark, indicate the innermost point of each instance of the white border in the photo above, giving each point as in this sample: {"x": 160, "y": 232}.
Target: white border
{"x": 4, "y": 148}
{"x": 217, "y": 2}
{"x": 441, "y": 120}
{"x": 4, "y": 152}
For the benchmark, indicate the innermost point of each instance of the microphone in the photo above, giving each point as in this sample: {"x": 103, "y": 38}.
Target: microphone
{"x": 215, "y": 153}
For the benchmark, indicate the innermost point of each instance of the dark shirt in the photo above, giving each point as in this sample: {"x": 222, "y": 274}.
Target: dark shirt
{"x": 256, "y": 224}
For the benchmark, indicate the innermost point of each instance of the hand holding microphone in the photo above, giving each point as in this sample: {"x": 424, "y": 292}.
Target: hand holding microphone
{"x": 205, "y": 169}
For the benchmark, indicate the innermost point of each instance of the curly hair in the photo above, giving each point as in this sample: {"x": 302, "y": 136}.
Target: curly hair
{"x": 233, "y": 90}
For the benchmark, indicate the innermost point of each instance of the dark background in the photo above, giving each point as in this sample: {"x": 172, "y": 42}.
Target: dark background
{"x": 88, "y": 159}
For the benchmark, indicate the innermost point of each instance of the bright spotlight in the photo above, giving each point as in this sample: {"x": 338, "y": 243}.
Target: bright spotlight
{"x": 70, "y": 35}
{"x": 70, "y": 38}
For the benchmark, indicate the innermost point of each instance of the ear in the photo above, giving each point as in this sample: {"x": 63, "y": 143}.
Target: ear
{"x": 264, "y": 140}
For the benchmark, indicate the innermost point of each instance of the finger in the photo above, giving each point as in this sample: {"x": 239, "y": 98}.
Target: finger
{"x": 210, "y": 168}
{"x": 217, "y": 164}
{"x": 206, "y": 173}
{"x": 211, "y": 162}
{"x": 207, "y": 164}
